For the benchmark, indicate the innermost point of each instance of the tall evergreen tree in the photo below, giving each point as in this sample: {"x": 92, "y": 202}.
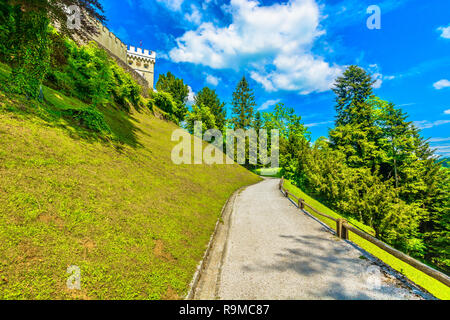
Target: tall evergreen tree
{"x": 352, "y": 90}
{"x": 242, "y": 105}
{"x": 355, "y": 134}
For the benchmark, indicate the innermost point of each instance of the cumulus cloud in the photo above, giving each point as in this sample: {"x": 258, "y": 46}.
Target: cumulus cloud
{"x": 447, "y": 111}
{"x": 212, "y": 80}
{"x": 441, "y": 84}
{"x": 274, "y": 42}
{"x": 268, "y": 104}
{"x": 445, "y": 32}
{"x": 191, "y": 96}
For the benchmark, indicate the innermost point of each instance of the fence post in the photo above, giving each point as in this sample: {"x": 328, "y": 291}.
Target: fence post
{"x": 344, "y": 230}
{"x": 280, "y": 186}
{"x": 341, "y": 230}
{"x": 301, "y": 205}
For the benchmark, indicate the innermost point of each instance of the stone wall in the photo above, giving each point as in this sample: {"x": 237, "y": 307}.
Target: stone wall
{"x": 109, "y": 41}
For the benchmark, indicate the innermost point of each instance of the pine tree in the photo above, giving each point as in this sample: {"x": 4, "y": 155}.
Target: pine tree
{"x": 242, "y": 105}
{"x": 356, "y": 134}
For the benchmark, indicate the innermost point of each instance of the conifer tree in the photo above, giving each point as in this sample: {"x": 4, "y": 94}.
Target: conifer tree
{"x": 242, "y": 105}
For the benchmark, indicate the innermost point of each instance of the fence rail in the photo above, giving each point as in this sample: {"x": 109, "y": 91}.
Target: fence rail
{"x": 342, "y": 231}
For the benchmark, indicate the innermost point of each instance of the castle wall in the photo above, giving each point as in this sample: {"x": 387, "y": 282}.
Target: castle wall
{"x": 109, "y": 41}
{"x": 136, "y": 61}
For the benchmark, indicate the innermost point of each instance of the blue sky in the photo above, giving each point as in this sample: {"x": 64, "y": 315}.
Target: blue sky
{"x": 293, "y": 50}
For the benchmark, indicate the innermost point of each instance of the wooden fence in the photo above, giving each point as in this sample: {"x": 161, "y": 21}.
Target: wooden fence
{"x": 342, "y": 231}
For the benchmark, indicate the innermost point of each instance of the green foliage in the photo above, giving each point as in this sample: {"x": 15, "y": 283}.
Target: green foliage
{"x": 178, "y": 90}
{"x": 242, "y": 105}
{"x": 164, "y": 102}
{"x": 6, "y": 30}
{"x": 30, "y": 52}
{"x": 376, "y": 168}
{"x": 352, "y": 90}
{"x": 200, "y": 113}
{"x": 89, "y": 118}
{"x": 209, "y": 98}
{"x": 89, "y": 74}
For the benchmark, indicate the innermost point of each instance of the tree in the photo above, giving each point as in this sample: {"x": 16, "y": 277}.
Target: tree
{"x": 356, "y": 134}
{"x": 242, "y": 105}
{"x": 202, "y": 113}
{"x": 352, "y": 90}
{"x": 29, "y": 43}
{"x": 178, "y": 90}
{"x": 209, "y": 98}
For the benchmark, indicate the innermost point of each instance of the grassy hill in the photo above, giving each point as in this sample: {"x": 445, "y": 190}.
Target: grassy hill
{"x": 117, "y": 207}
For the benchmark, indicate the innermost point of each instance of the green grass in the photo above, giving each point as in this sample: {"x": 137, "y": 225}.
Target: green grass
{"x": 435, "y": 287}
{"x": 116, "y": 206}
{"x": 268, "y": 172}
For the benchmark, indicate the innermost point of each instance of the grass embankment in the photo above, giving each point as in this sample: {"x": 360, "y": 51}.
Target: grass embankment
{"x": 134, "y": 223}
{"x": 435, "y": 287}
{"x": 268, "y": 172}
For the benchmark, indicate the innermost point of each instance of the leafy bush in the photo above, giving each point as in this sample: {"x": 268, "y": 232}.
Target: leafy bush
{"x": 164, "y": 101}
{"x": 89, "y": 118}
{"x": 88, "y": 73}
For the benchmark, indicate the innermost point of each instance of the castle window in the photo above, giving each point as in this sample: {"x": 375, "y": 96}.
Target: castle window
{"x": 146, "y": 66}
{"x": 130, "y": 62}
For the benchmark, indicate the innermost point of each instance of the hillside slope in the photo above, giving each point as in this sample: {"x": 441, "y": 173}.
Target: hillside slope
{"x": 133, "y": 222}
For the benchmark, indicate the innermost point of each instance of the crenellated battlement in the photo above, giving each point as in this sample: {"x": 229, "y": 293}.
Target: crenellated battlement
{"x": 140, "y": 60}
{"x": 142, "y": 53}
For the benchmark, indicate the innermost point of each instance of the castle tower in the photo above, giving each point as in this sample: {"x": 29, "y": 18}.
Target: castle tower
{"x": 143, "y": 62}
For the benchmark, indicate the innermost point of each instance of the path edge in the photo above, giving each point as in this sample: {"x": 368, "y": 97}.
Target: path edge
{"x": 227, "y": 208}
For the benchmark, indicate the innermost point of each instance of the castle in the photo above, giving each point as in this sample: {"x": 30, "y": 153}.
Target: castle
{"x": 142, "y": 62}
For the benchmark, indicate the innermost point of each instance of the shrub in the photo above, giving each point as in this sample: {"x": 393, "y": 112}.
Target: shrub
{"x": 89, "y": 118}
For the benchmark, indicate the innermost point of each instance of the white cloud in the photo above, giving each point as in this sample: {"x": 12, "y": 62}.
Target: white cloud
{"x": 212, "y": 80}
{"x": 444, "y": 83}
{"x": 268, "y": 104}
{"x": 425, "y": 124}
{"x": 191, "y": 96}
{"x": 443, "y": 150}
{"x": 374, "y": 69}
{"x": 174, "y": 5}
{"x": 316, "y": 124}
{"x": 274, "y": 42}
{"x": 195, "y": 15}
{"x": 445, "y": 32}
{"x": 447, "y": 111}
{"x": 439, "y": 139}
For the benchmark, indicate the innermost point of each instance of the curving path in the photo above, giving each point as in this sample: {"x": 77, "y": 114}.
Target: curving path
{"x": 269, "y": 249}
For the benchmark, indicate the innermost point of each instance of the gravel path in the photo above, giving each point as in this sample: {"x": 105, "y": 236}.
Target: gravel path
{"x": 275, "y": 251}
